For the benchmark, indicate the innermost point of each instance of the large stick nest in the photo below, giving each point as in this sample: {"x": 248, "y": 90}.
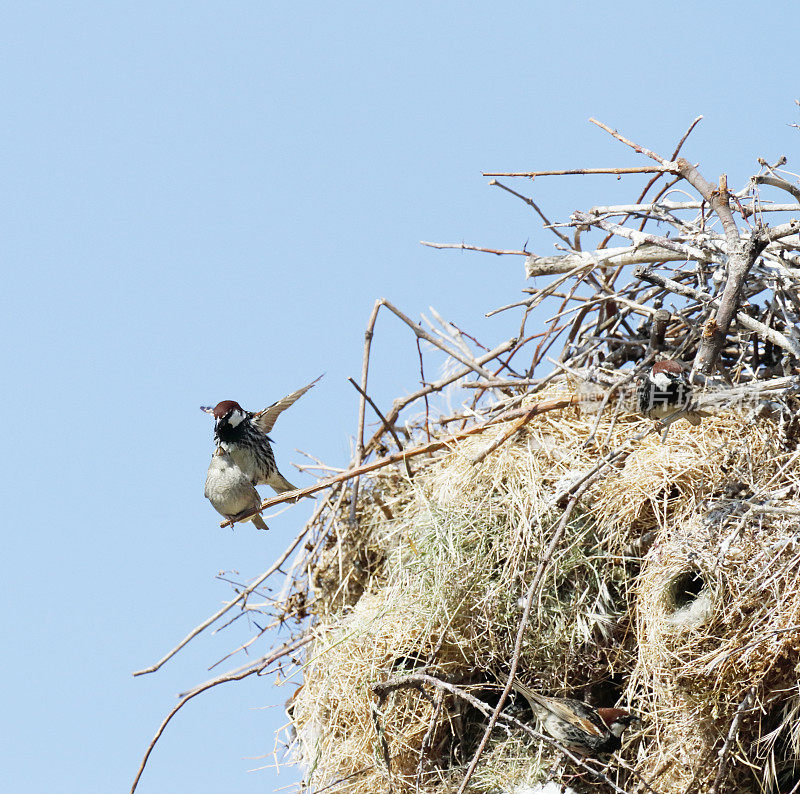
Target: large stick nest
{"x": 674, "y": 587}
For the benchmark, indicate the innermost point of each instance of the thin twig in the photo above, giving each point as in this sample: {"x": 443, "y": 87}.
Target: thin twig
{"x": 425, "y": 397}
{"x": 531, "y": 203}
{"x": 241, "y": 597}
{"x": 428, "y": 737}
{"x": 465, "y": 247}
{"x": 634, "y": 146}
{"x": 732, "y": 732}
{"x": 500, "y": 440}
{"x": 650, "y": 184}
{"x": 404, "y": 402}
{"x": 368, "y": 334}
{"x": 638, "y": 169}
{"x": 386, "y": 426}
{"x": 500, "y": 384}
{"x": 343, "y": 780}
{"x": 421, "y": 333}
{"x": 254, "y": 668}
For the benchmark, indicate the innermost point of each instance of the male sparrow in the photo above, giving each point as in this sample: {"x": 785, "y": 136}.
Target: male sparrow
{"x": 665, "y": 391}
{"x": 243, "y": 435}
{"x": 576, "y": 725}
{"x": 229, "y": 490}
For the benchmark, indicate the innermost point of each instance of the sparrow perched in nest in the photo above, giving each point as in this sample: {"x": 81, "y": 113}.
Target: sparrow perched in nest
{"x": 665, "y": 391}
{"x": 576, "y": 725}
{"x": 243, "y": 435}
{"x": 229, "y": 490}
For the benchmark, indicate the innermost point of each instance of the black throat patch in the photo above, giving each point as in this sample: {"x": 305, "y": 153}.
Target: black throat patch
{"x": 225, "y": 431}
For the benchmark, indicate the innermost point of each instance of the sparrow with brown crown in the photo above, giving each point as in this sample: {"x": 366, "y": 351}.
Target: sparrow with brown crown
{"x": 243, "y": 436}
{"x": 576, "y": 725}
{"x": 664, "y": 393}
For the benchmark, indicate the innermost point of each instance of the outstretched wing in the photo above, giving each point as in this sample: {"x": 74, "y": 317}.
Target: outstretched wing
{"x": 265, "y": 420}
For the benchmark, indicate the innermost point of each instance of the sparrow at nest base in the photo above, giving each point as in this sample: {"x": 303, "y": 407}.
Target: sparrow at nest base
{"x": 576, "y": 725}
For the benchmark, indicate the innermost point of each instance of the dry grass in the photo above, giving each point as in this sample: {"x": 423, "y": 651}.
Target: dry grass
{"x": 672, "y": 589}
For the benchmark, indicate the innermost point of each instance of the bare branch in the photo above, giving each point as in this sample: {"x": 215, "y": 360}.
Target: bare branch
{"x": 674, "y": 206}
{"x": 640, "y": 238}
{"x": 254, "y": 668}
{"x": 633, "y": 255}
{"x": 774, "y": 336}
{"x": 778, "y": 182}
{"x": 239, "y": 599}
{"x": 368, "y": 334}
{"x": 421, "y": 333}
{"x": 740, "y": 260}
{"x": 717, "y": 197}
{"x": 639, "y": 169}
{"x": 778, "y": 232}
{"x": 667, "y": 166}
{"x": 404, "y": 402}
{"x": 465, "y": 247}
{"x": 386, "y": 426}
{"x": 531, "y": 203}
{"x": 685, "y": 136}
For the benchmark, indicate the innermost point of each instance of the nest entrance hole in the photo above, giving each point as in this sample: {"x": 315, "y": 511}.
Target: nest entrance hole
{"x": 685, "y": 589}
{"x": 688, "y": 600}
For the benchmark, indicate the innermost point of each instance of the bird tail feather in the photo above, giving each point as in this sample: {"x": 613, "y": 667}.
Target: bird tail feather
{"x": 259, "y": 521}
{"x": 279, "y": 483}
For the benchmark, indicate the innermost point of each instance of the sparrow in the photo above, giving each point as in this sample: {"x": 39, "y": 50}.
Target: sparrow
{"x": 576, "y": 725}
{"x": 665, "y": 390}
{"x": 243, "y": 435}
{"x": 229, "y": 490}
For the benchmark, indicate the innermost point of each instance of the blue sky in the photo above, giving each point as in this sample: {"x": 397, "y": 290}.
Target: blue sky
{"x": 201, "y": 201}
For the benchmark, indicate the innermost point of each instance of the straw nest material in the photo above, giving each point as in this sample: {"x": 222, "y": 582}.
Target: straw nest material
{"x": 673, "y": 591}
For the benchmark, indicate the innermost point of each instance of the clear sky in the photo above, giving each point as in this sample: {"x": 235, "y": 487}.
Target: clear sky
{"x": 201, "y": 201}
